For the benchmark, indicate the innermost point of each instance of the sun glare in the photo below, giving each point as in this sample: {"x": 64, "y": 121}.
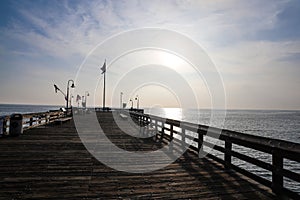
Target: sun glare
{"x": 173, "y": 113}
{"x": 171, "y": 60}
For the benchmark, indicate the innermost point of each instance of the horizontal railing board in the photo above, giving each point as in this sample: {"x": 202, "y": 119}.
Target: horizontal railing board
{"x": 252, "y": 160}
{"x": 291, "y": 175}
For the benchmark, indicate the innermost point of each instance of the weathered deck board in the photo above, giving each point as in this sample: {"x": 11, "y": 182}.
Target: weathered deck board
{"x": 51, "y": 162}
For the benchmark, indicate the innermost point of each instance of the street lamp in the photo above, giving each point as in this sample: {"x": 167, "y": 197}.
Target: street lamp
{"x": 131, "y": 103}
{"x": 85, "y": 99}
{"x": 72, "y": 86}
{"x": 138, "y": 101}
{"x": 121, "y": 101}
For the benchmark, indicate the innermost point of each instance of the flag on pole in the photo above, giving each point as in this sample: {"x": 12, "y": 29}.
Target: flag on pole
{"x": 78, "y": 98}
{"x": 56, "y": 88}
{"x": 103, "y": 68}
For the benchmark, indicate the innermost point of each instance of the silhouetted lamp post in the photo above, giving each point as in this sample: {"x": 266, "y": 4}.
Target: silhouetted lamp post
{"x": 85, "y": 99}
{"x": 72, "y": 86}
{"x": 138, "y": 101}
{"x": 131, "y": 103}
{"x": 121, "y": 100}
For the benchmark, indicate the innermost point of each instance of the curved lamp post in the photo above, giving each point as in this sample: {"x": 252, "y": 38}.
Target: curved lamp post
{"x": 66, "y": 96}
{"x": 138, "y": 101}
{"x": 121, "y": 100}
{"x": 85, "y": 98}
{"x": 72, "y": 86}
{"x": 131, "y": 103}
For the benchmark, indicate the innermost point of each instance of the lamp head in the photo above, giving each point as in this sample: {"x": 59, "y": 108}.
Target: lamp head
{"x": 72, "y": 86}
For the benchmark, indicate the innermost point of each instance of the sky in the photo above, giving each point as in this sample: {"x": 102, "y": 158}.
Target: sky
{"x": 254, "y": 45}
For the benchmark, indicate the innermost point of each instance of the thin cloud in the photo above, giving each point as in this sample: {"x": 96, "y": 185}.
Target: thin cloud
{"x": 242, "y": 37}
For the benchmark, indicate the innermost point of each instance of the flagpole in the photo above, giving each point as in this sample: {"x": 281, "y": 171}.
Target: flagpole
{"x": 103, "y": 68}
{"x": 104, "y": 92}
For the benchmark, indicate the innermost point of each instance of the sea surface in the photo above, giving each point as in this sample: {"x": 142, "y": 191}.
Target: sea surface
{"x": 278, "y": 124}
{"x": 8, "y": 109}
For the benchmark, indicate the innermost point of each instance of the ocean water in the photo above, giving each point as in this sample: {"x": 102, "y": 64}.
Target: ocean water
{"x": 8, "y": 109}
{"x": 279, "y": 124}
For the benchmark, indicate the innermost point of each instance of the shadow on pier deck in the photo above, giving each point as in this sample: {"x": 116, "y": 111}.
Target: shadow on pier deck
{"x": 50, "y": 162}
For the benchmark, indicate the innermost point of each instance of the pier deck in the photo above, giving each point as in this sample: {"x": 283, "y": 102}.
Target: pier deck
{"x": 50, "y": 162}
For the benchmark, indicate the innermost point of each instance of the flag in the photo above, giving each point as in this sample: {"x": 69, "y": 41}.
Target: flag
{"x": 56, "y": 88}
{"x": 78, "y": 98}
{"x": 103, "y": 68}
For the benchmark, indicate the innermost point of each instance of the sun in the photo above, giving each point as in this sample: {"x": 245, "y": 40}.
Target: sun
{"x": 170, "y": 60}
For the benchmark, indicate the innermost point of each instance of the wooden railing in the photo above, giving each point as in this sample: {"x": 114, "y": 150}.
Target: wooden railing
{"x": 196, "y": 136}
{"x": 31, "y": 120}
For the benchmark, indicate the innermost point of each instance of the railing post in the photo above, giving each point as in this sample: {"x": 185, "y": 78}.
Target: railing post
{"x": 148, "y": 127}
{"x": 171, "y": 131}
{"x": 200, "y": 141}
{"x": 156, "y": 130}
{"x": 183, "y": 138}
{"x": 140, "y": 120}
{"x": 162, "y": 131}
{"x": 2, "y": 127}
{"x": 227, "y": 154}
{"x": 277, "y": 178}
{"x": 31, "y": 121}
{"x": 171, "y": 146}
{"x": 47, "y": 118}
{"x": 5, "y": 126}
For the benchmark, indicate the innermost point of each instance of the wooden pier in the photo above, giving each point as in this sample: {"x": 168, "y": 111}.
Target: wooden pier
{"x": 50, "y": 162}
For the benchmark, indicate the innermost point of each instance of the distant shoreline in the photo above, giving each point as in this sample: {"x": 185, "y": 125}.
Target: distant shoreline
{"x": 146, "y": 108}
{"x": 23, "y": 104}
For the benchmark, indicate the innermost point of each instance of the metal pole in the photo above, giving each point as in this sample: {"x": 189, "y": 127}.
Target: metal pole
{"x": 131, "y": 104}
{"x": 121, "y": 100}
{"x": 85, "y": 99}
{"x": 67, "y": 95}
{"x": 104, "y": 93}
{"x": 82, "y": 101}
{"x": 137, "y": 101}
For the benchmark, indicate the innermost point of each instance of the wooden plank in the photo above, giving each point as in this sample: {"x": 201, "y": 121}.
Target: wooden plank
{"x": 52, "y": 163}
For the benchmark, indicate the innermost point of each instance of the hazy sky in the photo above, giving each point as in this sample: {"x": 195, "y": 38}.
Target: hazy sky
{"x": 254, "y": 44}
